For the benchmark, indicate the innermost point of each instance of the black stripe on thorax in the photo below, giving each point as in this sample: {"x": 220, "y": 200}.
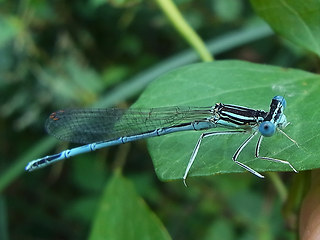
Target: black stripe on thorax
{"x": 275, "y": 110}
{"x": 239, "y": 115}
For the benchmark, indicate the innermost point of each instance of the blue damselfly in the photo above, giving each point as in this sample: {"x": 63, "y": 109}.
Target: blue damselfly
{"x": 100, "y": 128}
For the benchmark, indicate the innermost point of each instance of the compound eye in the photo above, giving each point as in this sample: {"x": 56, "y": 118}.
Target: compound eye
{"x": 281, "y": 100}
{"x": 267, "y": 128}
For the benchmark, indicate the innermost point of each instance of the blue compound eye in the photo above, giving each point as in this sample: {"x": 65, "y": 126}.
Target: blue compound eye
{"x": 267, "y": 128}
{"x": 282, "y": 100}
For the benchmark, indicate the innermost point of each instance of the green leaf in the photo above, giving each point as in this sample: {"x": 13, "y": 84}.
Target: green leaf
{"x": 240, "y": 83}
{"x": 296, "y": 20}
{"x": 122, "y": 214}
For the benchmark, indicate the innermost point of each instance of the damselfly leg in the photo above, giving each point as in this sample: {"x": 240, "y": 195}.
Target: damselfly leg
{"x": 196, "y": 148}
{"x": 238, "y": 151}
{"x": 269, "y": 158}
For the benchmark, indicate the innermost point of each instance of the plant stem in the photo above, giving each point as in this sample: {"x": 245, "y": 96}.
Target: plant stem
{"x": 279, "y": 185}
{"x": 177, "y": 20}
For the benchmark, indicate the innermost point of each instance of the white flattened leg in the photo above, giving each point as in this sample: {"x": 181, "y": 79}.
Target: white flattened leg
{"x": 272, "y": 159}
{"x": 239, "y": 150}
{"x": 196, "y": 148}
{"x": 288, "y": 137}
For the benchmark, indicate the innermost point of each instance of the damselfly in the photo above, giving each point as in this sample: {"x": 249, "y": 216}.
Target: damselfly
{"x": 112, "y": 126}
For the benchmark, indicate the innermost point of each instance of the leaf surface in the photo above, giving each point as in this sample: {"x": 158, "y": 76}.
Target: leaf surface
{"x": 123, "y": 215}
{"x": 239, "y": 83}
{"x": 298, "y": 21}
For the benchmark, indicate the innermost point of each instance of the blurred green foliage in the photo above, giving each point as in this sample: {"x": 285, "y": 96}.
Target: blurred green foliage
{"x": 63, "y": 54}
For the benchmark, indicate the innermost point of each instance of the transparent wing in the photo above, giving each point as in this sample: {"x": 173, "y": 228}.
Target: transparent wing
{"x": 94, "y": 125}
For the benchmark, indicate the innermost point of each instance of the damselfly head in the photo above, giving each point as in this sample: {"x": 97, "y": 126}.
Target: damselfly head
{"x": 267, "y": 128}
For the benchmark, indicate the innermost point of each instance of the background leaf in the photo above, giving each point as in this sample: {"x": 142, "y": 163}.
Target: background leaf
{"x": 124, "y": 215}
{"x": 241, "y": 83}
{"x": 296, "y": 20}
